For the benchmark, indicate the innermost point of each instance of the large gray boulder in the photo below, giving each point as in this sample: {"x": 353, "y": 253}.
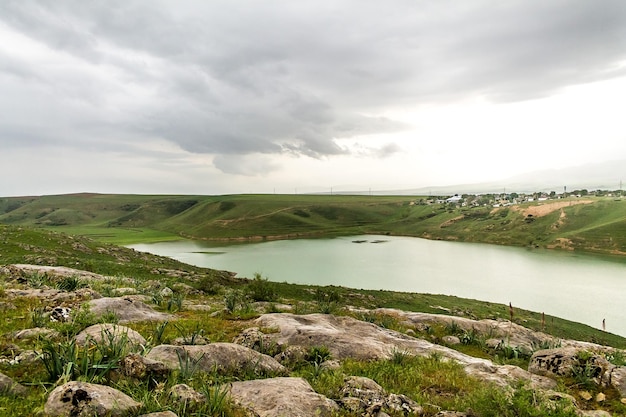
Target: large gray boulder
{"x": 127, "y": 309}
{"x": 81, "y": 399}
{"x": 225, "y": 358}
{"x": 281, "y": 397}
{"x": 566, "y": 361}
{"x": 109, "y": 333}
{"x": 346, "y": 337}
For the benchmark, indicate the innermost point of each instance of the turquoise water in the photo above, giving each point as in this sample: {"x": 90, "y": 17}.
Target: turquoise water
{"x": 586, "y": 289}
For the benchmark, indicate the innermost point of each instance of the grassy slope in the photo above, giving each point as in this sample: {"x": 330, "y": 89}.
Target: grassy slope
{"x": 598, "y": 227}
{"x": 25, "y": 245}
{"x": 443, "y": 387}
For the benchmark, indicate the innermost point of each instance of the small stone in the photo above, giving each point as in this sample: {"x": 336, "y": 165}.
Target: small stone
{"x": 623, "y": 401}
{"x": 166, "y": 292}
{"x": 585, "y": 395}
{"x": 160, "y": 414}
{"x": 451, "y": 340}
{"x": 185, "y": 394}
{"x": 600, "y": 397}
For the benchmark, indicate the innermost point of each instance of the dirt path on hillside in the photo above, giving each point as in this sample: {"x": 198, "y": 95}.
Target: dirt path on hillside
{"x": 547, "y": 208}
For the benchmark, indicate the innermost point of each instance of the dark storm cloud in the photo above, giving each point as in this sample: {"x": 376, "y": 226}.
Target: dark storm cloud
{"x": 241, "y": 77}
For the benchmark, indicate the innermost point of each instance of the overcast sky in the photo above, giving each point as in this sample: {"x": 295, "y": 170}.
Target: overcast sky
{"x": 214, "y": 97}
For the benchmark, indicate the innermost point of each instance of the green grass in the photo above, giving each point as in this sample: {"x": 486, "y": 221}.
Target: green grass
{"x": 599, "y": 227}
{"x": 431, "y": 381}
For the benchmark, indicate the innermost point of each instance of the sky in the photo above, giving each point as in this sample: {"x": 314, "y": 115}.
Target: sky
{"x": 279, "y": 96}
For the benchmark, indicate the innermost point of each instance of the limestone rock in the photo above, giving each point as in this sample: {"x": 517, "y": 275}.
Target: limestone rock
{"x": 593, "y": 413}
{"x": 254, "y": 339}
{"x": 26, "y": 357}
{"x": 127, "y": 309}
{"x": 139, "y": 367}
{"x": 109, "y": 333}
{"x": 124, "y": 291}
{"x": 347, "y": 337}
{"x": 224, "y": 357}
{"x": 7, "y": 385}
{"x": 160, "y": 414}
{"x": 292, "y": 355}
{"x": 36, "y": 333}
{"x": 617, "y": 379}
{"x": 281, "y": 397}
{"x": 81, "y": 399}
{"x": 364, "y": 396}
{"x": 22, "y": 270}
{"x": 565, "y": 361}
{"x": 451, "y": 340}
{"x": 183, "y": 393}
{"x": 504, "y": 375}
{"x": 191, "y": 340}
{"x": 166, "y": 292}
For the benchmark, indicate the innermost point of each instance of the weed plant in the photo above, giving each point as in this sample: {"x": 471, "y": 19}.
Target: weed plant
{"x": 261, "y": 289}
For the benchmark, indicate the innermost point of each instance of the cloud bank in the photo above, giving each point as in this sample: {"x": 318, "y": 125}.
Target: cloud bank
{"x": 234, "y": 79}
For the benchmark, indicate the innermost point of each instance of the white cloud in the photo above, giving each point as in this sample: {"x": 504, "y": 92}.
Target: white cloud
{"x": 357, "y": 93}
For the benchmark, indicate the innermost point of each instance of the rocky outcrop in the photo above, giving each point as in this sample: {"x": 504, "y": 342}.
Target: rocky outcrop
{"x": 346, "y": 337}
{"x": 126, "y": 309}
{"x": 139, "y": 367}
{"x": 365, "y": 397}
{"x": 281, "y": 397}
{"x": 568, "y": 362}
{"x": 515, "y": 335}
{"x": 225, "y": 358}
{"x": 81, "y": 399}
{"x": 563, "y": 362}
{"x": 109, "y": 334}
{"x": 21, "y": 270}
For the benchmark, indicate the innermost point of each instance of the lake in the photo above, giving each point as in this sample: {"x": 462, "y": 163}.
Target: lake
{"x": 576, "y": 287}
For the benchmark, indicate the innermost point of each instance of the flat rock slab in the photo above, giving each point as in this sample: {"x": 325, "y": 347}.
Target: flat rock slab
{"x": 281, "y": 397}
{"x": 36, "y": 333}
{"x": 346, "y": 337}
{"x": 60, "y": 271}
{"x": 109, "y": 333}
{"x": 224, "y": 358}
{"x": 81, "y": 399}
{"x": 127, "y": 309}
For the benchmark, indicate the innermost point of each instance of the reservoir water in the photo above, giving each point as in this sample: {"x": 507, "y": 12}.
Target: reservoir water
{"x": 576, "y": 287}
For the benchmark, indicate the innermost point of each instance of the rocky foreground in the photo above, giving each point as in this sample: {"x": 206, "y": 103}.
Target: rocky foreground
{"x": 272, "y": 344}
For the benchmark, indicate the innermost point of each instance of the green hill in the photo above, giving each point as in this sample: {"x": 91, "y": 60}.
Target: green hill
{"x": 599, "y": 225}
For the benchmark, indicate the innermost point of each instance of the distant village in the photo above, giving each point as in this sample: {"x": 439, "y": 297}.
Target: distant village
{"x": 507, "y": 199}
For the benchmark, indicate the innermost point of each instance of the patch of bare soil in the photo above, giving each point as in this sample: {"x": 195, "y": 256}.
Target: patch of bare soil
{"x": 547, "y": 208}
{"x": 562, "y": 243}
{"x": 451, "y": 221}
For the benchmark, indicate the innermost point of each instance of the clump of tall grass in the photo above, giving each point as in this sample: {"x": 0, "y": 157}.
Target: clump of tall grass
{"x": 70, "y": 283}
{"x": 67, "y": 361}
